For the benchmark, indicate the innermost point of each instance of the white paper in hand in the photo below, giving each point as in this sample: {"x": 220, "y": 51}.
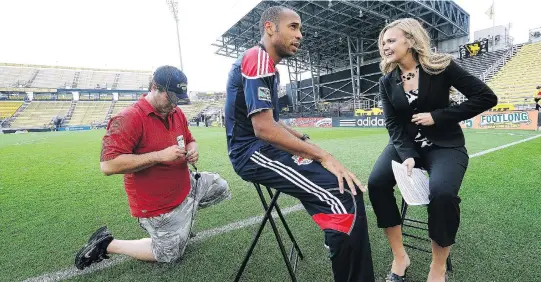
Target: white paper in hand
{"x": 414, "y": 189}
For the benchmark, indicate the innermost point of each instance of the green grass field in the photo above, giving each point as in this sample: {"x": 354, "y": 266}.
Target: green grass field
{"x": 53, "y": 196}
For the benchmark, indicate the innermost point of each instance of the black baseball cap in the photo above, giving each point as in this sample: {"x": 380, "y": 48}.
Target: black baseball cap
{"x": 174, "y": 81}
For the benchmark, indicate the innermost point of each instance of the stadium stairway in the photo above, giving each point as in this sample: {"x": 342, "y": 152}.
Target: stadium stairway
{"x": 110, "y": 111}
{"x": 70, "y": 113}
{"x": 478, "y": 64}
{"x": 485, "y": 66}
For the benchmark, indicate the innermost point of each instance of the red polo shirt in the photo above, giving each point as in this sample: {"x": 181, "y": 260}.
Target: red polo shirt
{"x": 139, "y": 129}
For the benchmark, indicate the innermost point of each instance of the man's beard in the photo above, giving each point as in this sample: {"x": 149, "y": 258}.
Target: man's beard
{"x": 166, "y": 110}
{"x": 282, "y": 51}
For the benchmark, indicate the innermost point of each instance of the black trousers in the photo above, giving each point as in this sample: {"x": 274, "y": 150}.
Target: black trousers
{"x": 342, "y": 217}
{"x": 446, "y": 167}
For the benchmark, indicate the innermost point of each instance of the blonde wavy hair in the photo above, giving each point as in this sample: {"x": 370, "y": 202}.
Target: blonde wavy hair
{"x": 417, "y": 37}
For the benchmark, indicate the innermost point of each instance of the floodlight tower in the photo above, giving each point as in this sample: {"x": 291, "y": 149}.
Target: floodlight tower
{"x": 173, "y": 7}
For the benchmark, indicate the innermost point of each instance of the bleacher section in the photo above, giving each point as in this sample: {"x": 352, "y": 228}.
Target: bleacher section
{"x": 214, "y": 107}
{"x": 189, "y": 111}
{"x": 192, "y": 110}
{"x": 54, "y": 78}
{"x": 16, "y": 75}
{"x": 40, "y": 114}
{"x": 515, "y": 74}
{"x": 478, "y": 64}
{"x": 95, "y": 79}
{"x": 128, "y": 80}
{"x": 119, "y": 105}
{"x": 515, "y": 83}
{"x": 7, "y": 109}
{"x": 87, "y": 113}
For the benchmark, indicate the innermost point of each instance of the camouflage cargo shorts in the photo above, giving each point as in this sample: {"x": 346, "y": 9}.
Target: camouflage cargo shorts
{"x": 170, "y": 231}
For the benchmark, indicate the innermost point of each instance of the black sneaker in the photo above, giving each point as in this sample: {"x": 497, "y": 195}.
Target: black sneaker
{"x": 95, "y": 249}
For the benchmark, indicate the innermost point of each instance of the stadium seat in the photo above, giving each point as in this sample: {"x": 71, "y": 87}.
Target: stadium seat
{"x": 194, "y": 109}
{"x": 54, "y": 77}
{"x": 14, "y": 77}
{"x": 134, "y": 80}
{"x": 515, "y": 83}
{"x": 87, "y": 113}
{"x": 120, "y": 105}
{"x": 40, "y": 114}
{"x": 7, "y": 109}
{"x": 295, "y": 252}
{"x": 478, "y": 64}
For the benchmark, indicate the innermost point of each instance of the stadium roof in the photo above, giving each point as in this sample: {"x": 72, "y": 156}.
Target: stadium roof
{"x": 327, "y": 26}
{"x": 341, "y": 35}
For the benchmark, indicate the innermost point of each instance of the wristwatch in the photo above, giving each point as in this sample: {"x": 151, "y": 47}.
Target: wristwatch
{"x": 304, "y": 137}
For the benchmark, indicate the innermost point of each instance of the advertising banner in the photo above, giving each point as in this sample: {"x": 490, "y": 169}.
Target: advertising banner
{"x": 522, "y": 120}
{"x": 362, "y": 121}
{"x": 74, "y": 128}
{"x": 308, "y": 122}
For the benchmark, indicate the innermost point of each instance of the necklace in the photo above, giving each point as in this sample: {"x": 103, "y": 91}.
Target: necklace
{"x": 409, "y": 75}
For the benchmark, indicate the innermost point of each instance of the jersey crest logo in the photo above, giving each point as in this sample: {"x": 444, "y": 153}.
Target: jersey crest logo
{"x": 263, "y": 94}
{"x": 301, "y": 161}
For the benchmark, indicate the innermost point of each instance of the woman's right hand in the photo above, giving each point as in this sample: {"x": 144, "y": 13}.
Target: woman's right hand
{"x": 409, "y": 163}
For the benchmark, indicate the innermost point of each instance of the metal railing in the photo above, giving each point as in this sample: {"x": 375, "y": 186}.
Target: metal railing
{"x": 492, "y": 70}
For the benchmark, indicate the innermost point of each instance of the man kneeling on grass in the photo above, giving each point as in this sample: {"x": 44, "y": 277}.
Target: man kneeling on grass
{"x": 144, "y": 143}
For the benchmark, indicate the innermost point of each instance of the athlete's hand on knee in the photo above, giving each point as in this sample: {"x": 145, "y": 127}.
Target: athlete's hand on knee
{"x": 170, "y": 154}
{"x": 336, "y": 168}
{"x": 352, "y": 179}
{"x": 409, "y": 163}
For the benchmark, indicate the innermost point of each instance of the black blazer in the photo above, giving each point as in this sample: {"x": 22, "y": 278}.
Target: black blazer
{"x": 434, "y": 99}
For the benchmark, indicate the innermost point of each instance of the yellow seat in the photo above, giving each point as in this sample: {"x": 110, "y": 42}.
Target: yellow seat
{"x": 519, "y": 76}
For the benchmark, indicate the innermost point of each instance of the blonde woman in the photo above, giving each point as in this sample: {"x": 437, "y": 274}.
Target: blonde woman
{"x": 424, "y": 132}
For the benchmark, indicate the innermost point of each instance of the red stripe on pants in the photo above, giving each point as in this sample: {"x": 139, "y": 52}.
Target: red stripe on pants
{"x": 338, "y": 222}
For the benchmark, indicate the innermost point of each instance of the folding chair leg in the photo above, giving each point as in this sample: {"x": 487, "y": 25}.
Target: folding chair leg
{"x": 403, "y": 211}
{"x": 277, "y": 234}
{"x": 268, "y": 216}
{"x": 291, "y": 237}
{"x": 256, "y": 237}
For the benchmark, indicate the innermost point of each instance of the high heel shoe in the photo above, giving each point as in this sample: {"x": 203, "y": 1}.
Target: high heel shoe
{"x": 393, "y": 277}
